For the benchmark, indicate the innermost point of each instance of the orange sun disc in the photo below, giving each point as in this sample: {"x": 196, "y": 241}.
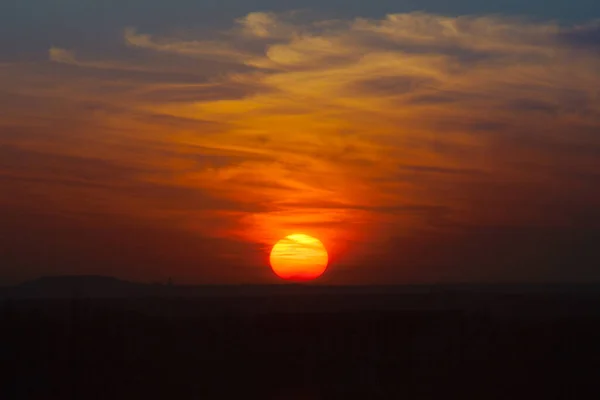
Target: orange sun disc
{"x": 299, "y": 257}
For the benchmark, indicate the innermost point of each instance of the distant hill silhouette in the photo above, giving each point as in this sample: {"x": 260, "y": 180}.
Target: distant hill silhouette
{"x": 104, "y": 286}
{"x": 95, "y": 286}
{"x": 77, "y": 286}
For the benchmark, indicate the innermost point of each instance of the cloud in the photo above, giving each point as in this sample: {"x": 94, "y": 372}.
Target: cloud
{"x": 392, "y": 85}
{"x": 582, "y": 36}
{"x": 214, "y": 50}
{"x": 264, "y": 25}
{"x": 62, "y": 55}
{"x": 137, "y": 71}
{"x": 361, "y": 130}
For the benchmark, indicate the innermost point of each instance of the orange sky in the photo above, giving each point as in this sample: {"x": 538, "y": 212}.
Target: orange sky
{"x": 417, "y": 147}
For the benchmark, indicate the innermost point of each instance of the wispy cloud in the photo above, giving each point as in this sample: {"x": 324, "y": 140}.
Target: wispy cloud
{"x": 216, "y": 50}
{"x": 348, "y": 129}
{"x": 64, "y": 56}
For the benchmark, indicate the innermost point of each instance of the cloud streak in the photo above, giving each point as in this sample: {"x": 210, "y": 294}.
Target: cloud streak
{"x": 415, "y": 125}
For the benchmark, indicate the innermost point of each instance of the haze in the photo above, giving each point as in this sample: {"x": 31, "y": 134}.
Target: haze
{"x": 422, "y": 143}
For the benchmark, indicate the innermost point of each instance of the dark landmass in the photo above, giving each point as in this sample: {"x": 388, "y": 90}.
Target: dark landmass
{"x": 102, "y": 338}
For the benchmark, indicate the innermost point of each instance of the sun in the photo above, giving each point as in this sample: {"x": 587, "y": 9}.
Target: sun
{"x": 299, "y": 257}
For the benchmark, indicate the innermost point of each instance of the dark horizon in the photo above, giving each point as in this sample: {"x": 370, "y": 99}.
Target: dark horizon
{"x": 172, "y": 281}
{"x": 309, "y": 345}
{"x": 67, "y": 285}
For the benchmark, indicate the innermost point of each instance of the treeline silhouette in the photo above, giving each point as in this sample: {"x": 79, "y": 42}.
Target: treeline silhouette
{"x": 84, "y": 348}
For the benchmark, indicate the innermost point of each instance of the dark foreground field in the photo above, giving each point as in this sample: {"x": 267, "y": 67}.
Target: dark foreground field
{"x": 442, "y": 345}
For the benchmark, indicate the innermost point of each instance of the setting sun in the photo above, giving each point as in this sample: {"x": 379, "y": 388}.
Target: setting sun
{"x": 299, "y": 257}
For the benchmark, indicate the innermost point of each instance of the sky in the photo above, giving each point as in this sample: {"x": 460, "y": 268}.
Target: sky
{"x": 421, "y": 142}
